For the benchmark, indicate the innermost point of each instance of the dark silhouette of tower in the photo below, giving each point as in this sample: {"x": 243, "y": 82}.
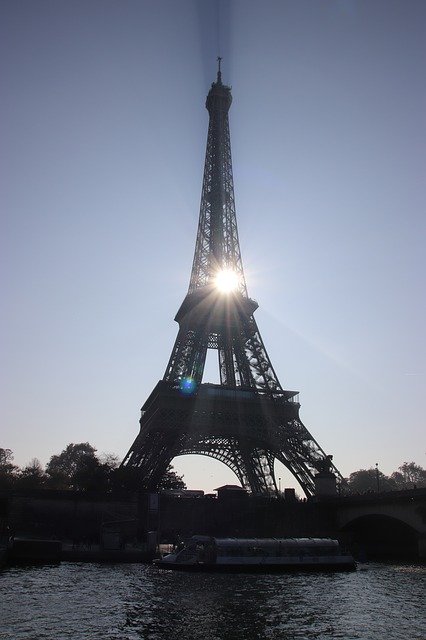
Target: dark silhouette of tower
{"x": 248, "y": 420}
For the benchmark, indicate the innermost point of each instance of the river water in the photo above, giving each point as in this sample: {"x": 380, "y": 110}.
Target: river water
{"x": 120, "y": 602}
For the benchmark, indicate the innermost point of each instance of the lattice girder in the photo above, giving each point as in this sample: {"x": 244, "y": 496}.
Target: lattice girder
{"x": 244, "y": 427}
{"x": 247, "y": 421}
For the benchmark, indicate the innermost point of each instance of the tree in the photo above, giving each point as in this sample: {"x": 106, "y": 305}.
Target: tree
{"x": 172, "y": 481}
{"x": 91, "y": 475}
{"x": 32, "y": 476}
{"x": 111, "y": 460}
{"x": 125, "y": 479}
{"x": 370, "y": 480}
{"x": 128, "y": 479}
{"x": 409, "y": 474}
{"x": 8, "y": 471}
{"x": 65, "y": 471}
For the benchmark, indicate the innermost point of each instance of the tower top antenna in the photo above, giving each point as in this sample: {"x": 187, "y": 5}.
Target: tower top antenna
{"x": 219, "y": 72}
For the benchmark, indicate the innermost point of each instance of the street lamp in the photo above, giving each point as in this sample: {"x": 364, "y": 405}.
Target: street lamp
{"x": 377, "y": 477}
{"x": 279, "y": 486}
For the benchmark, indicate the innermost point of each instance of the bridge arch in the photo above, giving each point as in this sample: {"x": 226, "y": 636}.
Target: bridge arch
{"x": 380, "y": 536}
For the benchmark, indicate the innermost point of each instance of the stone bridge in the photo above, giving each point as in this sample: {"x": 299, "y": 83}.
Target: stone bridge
{"x": 385, "y": 522}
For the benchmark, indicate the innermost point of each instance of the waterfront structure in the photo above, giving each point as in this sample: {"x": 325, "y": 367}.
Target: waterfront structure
{"x": 248, "y": 420}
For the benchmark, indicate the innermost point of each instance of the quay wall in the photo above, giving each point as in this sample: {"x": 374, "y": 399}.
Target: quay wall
{"x": 381, "y": 526}
{"x": 243, "y": 516}
{"x": 69, "y": 515}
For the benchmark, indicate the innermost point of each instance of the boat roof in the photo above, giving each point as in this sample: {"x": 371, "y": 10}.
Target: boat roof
{"x": 262, "y": 542}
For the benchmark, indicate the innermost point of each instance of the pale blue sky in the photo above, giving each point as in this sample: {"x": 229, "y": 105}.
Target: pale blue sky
{"x": 103, "y": 132}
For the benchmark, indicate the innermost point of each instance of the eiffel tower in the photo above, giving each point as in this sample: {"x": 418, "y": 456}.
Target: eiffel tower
{"x": 248, "y": 420}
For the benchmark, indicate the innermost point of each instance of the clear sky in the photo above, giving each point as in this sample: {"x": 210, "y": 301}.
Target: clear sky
{"x": 103, "y": 131}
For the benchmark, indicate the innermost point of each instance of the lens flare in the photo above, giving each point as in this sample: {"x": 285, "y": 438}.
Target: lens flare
{"x": 226, "y": 280}
{"x": 187, "y": 386}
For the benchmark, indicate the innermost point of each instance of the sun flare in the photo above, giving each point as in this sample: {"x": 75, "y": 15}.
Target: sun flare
{"x": 226, "y": 280}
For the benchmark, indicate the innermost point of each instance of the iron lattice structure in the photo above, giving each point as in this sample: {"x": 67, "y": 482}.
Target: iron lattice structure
{"x": 248, "y": 420}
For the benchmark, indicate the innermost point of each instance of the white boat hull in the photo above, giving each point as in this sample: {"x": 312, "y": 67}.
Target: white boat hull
{"x": 202, "y": 553}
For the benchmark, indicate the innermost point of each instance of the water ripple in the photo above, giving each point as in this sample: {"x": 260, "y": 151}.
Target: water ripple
{"x": 128, "y": 602}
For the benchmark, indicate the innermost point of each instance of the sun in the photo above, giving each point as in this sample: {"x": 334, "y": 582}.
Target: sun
{"x": 226, "y": 280}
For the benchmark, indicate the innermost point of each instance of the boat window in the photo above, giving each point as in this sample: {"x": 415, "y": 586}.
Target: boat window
{"x": 186, "y": 554}
{"x": 255, "y": 551}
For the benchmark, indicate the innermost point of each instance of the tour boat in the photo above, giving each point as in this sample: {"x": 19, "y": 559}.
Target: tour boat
{"x": 205, "y": 553}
